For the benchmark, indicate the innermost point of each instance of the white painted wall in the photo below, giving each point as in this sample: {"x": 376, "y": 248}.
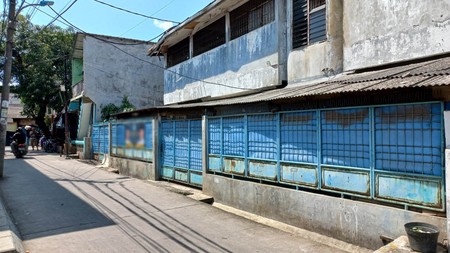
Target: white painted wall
{"x": 110, "y": 74}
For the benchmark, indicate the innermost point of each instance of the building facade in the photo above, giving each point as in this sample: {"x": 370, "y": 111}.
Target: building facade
{"x": 106, "y": 69}
{"x": 326, "y": 115}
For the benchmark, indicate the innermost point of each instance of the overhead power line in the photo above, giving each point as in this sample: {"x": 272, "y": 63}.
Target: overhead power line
{"x": 62, "y": 22}
{"x": 135, "y": 13}
{"x": 32, "y": 11}
{"x": 59, "y": 14}
{"x": 154, "y": 13}
{"x": 114, "y": 44}
{"x": 93, "y": 35}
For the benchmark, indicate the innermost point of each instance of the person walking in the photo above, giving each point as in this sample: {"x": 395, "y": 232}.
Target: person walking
{"x": 33, "y": 139}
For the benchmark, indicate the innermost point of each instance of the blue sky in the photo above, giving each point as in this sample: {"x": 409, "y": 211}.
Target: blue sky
{"x": 94, "y": 17}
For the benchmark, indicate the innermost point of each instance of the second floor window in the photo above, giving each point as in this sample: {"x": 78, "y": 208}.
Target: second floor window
{"x": 308, "y": 22}
{"x": 250, "y": 16}
{"x": 209, "y": 37}
{"x": 178, "y": 53}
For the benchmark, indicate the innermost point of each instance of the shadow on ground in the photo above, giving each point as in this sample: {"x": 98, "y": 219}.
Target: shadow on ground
{"x": 40, "y": 207}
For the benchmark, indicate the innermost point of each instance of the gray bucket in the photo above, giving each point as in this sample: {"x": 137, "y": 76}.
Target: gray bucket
{"x": 423, "y": 237}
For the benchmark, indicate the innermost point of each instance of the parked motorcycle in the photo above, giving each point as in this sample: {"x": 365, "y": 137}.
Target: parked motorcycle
{"x": 19, "y": 150}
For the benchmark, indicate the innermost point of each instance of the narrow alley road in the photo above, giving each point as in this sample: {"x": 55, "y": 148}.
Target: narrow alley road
{"x": 63, "y": 205}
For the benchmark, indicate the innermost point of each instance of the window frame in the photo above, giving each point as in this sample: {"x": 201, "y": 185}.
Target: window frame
{"x": 253, "y": 8}
{"x": 298, "y": 41}
{"x": 176, "y": 49}
{"x": 206, "y": 31}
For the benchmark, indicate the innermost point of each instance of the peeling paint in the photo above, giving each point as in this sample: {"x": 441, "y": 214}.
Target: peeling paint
{"x": 379, "y": 32}
{"x": 235, "y": 67}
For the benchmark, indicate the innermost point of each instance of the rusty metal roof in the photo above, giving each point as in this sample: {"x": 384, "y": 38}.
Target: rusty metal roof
{"x": 423, "y": 74}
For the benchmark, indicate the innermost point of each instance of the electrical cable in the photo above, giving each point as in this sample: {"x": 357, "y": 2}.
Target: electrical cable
{"x": 62, "y": 22}
{"x": 29, "y": 11}
{"x": 59, "y": 14}
{"x": 135, "y": 13}
{"x": 153, "y": 64}
{"x": 47, "y": 60}
{"x": 154, "y": 13}
{"x": 112, "y": 42}
{"x": 20, "y": 7}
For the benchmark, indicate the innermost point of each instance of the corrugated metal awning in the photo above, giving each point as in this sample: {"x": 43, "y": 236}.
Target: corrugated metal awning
{"x": 424, "y": 74}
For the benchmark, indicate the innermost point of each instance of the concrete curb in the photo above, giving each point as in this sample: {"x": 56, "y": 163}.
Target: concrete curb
{"x": 295, "y": 230}
{"x": 9, "y": 239}
{"x": 197, "y": 195}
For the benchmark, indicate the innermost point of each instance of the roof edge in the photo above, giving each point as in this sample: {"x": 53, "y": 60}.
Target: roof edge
{"x": 170, "y": 31}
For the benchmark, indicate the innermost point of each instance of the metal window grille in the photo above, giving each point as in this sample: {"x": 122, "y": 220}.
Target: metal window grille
{"x": 105, "y": 136}
{"x": 167, "y": 143}
{"x": 308, "y": 25}
{"x": 251, "y": 16}
{"x": 234, "y": 136}
{"x": 214, "y": 140}
{"x": 389, "y": 153}
{"x": 96, "y": 139}
{"x": 346, "y": 138}
{"x": 299, "y": 137}
{"x": 408, "y": 139}
{"x": 195, "y": 143}
{"x": 209, "y": 37}
{"x": 181, "y": 144}
{"x": 262, "y": 137}
{"x": 316, "y": 3}
{"x": 100, "y": 139}
{"x": 178, "y": 53}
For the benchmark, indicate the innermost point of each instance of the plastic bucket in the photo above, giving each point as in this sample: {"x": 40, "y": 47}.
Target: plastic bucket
{"x": 422, "y": 236}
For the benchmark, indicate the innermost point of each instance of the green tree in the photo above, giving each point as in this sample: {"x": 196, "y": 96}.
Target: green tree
{"x": 41, "y": 64}
{"x": 107, "y": 111}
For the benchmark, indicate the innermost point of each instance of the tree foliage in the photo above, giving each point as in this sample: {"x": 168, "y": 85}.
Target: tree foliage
{"x": 41, "y": 64}
{"x": 110, "y": 109}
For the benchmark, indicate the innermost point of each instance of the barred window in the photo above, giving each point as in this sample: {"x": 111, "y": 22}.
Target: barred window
{"x": 315, "y": 3}
{"x": 250, "y": 16}
{"x": 178, "y": 53}
{"x": 308, "y": 22}
{"x": 210, "y": 37}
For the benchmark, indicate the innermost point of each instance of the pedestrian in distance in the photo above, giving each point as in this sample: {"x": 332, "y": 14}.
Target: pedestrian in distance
{"x": 33, "y": 139}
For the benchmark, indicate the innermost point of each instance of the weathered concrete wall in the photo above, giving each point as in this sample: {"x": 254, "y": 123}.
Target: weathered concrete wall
{"x": 133, "y": 168}
{"x": 319, "y": 59}
{"x": 352, "y": 221}
{"x": 110, "y": 74}
{"x": 248, "y": 62}
{"x": 383, "y": 31}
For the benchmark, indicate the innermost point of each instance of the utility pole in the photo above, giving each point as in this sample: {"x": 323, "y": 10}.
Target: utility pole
{"x": 66, "y": 121}
{"x": 7, "y": 73}
{"x": 6, "y": 80}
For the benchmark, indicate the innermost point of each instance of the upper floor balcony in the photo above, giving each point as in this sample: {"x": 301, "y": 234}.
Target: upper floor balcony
{"x": 233, "y": 47}
{"x": 227, "y": 49}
